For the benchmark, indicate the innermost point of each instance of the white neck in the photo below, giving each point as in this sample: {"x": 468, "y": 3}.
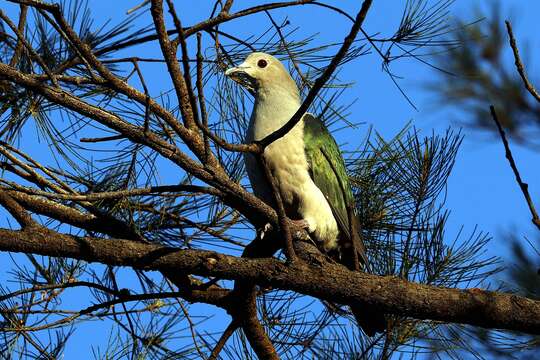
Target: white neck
{"x": 272, "y": 109}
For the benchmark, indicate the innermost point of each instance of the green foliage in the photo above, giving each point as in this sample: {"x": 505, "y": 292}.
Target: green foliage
{"x": 479, "y": 72}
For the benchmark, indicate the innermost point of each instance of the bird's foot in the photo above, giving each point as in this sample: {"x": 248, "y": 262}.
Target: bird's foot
{"x": 261, "y": 232}
{"x": 302, "y": 224}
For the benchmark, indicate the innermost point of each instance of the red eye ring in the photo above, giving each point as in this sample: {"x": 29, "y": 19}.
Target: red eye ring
{"x": 262, "y": 63}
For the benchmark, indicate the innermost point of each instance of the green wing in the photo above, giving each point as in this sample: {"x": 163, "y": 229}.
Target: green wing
{"x": 327, "y": 169}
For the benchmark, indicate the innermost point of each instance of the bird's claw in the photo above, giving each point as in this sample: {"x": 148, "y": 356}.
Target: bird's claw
{"x": 262, "y": 231}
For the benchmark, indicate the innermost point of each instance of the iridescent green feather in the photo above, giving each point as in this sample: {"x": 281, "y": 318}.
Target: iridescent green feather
{"x": 328, "y": 171}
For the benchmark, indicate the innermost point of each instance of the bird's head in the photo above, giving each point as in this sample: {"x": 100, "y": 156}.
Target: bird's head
{"x": 260, "y": 72}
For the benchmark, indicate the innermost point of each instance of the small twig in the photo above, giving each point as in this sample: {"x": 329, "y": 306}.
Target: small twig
{"x": 200, "y": 95}
{"x": 146, "y": 93}
{"x": 137, "y": 7}
{"x": 519, "y": 64}
{"x": 524, "y": 186}
{"x": 233, "y": 38}
{"x": 192, "y": 329}
{"x": 118, "y": 194}
{"x": 231, "y": 328}
{"x": 75, "y": 80}
{"x": 305, "y": 81}
{"x": 207, "y": 134}
{"x": 227, "y": 7}
{"x": 282, "y": 217}
{"x": 20, "y": 27}
{"x": 144, "y": 59}
{"x": 185, "y": 58}
{"x": 129, "y": 298}
{"x": 48, "y": 287}
{"x": 131, "y": 329}
{"x": 102, "y": 139}
{"x": 244, "y": 148}
{"x": 366, "y": 35}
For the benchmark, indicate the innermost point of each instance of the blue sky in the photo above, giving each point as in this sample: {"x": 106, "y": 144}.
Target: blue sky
{"x": 481, "y": 192}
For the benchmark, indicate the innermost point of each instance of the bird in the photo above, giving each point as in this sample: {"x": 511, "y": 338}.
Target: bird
{"x": 307, "y": 168}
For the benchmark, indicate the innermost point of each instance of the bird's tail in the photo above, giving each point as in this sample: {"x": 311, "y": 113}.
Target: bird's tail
{"x": 370, "y": 321}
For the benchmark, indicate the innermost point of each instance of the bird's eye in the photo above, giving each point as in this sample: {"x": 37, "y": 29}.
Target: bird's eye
{"x": 262, "y": 63}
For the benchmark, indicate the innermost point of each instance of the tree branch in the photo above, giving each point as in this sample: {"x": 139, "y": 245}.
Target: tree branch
{"x": 20, "y": 27}
{"x": 519, "y": 65}
{"x": 152, "y": 190}
{"x": 169, "y": 52}
{"x": 16, "y": 210}
{"x": 523, "y": 186}
{"x": 326, "y": 281}
{"x": 282, "y": 216}
{"x": 227, "y": 333}
{"x": 246, "y": 315}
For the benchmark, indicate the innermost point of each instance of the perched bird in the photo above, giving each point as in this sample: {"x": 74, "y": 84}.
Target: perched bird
{"x": 307, "y": 167}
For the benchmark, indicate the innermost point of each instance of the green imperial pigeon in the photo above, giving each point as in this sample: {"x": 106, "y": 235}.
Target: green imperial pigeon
{"x": 307, "y": 166}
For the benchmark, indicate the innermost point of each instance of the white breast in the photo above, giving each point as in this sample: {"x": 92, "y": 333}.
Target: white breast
{"x": 287, "y": 161}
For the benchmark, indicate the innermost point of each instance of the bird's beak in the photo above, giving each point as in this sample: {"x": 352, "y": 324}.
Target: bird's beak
{"x": 238, "y": 72}
{"x": 234, "y": 71}
{"x": 241, "y": 75}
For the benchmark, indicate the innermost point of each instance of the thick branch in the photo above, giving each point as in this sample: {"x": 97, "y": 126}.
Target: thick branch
{"x": 325, "y": 281}
{"x": 15, "y": 209}
{"x": 255, "y": 333}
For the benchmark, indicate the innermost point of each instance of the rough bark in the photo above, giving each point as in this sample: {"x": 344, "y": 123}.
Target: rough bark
{"x": 323, "y": 280}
